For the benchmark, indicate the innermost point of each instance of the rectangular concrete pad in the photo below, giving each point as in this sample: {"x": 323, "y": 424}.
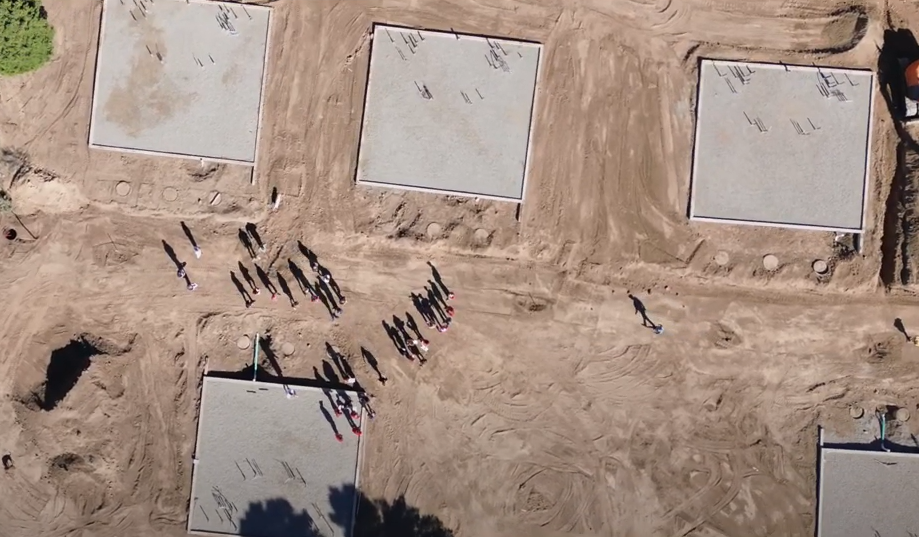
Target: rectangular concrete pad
{"x": 242, "y": 420}
{"x": 175, "y": 106}
{"x": 780, "y": 177}
{"x": 867, "y": 493}
{"x": 446, "y": 144}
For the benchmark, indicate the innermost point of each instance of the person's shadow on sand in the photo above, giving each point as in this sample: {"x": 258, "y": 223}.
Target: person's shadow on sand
{"x": 640, "y": 309}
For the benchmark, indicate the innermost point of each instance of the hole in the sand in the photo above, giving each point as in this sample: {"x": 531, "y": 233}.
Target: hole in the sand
{"x": 883, "y": 349}
{"x": 64, "y": 370}
{"x": 67, "y": 461}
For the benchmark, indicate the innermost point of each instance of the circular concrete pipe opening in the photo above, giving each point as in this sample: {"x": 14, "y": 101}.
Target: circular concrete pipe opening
{"x": 820, "y": 267}
{"x": 770, "y": 262}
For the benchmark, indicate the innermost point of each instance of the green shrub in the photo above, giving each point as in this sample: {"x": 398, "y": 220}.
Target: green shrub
{"x": 6, "y": 202}
{"x": 26, "y": 38}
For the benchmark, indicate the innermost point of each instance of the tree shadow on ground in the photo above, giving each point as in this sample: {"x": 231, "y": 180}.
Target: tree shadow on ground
{"x": 380, "y": 518}
{"x": 276, "y": 518}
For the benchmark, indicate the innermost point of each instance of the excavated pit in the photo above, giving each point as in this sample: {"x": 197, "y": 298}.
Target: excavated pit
{"x": 901, "y": 221}
{"x": 65, "y": 367}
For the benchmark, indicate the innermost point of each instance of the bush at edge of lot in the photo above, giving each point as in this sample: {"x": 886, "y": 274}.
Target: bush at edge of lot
{"x": 26, "y": 38}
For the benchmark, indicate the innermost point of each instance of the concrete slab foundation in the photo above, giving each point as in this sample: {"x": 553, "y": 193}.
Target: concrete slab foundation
{"x": 448, "y": 113}
{"x": 782, "y": 145}
{"x": 867, "y": 493}
{"x": 180, "y": 78}
{"x": 269, "y": 465}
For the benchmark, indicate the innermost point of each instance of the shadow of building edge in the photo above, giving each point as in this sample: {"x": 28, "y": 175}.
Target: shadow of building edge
{"x": 268, "y": 378}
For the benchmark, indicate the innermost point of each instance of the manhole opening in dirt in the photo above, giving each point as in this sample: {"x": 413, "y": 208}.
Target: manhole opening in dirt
{"x": 67, "y": 461}
{"x": 882, "y": 350}
{"x": 64, "y": 370}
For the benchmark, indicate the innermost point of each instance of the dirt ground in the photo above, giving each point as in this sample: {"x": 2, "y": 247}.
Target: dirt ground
{"x": 547, "y": 409}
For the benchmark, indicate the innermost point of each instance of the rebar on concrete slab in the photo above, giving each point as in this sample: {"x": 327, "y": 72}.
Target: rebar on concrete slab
{"x": 730, "y": 86}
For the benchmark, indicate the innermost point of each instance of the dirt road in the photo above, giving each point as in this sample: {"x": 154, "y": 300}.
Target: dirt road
{"x": 546, "y": 405}
{"x": 547, "y": 409}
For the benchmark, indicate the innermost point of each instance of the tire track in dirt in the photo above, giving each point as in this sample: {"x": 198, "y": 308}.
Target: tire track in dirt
{"x": 715, "y": 479}
{"x": 30, "y": 505}
{"x": 633, "y": 373}
{"x": 718, "y": 505}
{"x": 800, "y": 28}
{"x": 78, "y": 88}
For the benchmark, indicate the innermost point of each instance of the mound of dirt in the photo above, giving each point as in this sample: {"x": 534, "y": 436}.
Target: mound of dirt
{"x": 36, "y": 190}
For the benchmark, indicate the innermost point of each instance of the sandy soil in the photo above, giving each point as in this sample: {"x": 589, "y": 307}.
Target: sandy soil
{"x": 547, "y": 409}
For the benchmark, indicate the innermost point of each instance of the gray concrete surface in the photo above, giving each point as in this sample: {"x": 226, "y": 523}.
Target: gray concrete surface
{"x": 247, "y": 431}
{"x": 867, "y": 493}
{"x": 780, "y": 177}
{"x": 444, "y": 143}
{"x": 175, "y": 105}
